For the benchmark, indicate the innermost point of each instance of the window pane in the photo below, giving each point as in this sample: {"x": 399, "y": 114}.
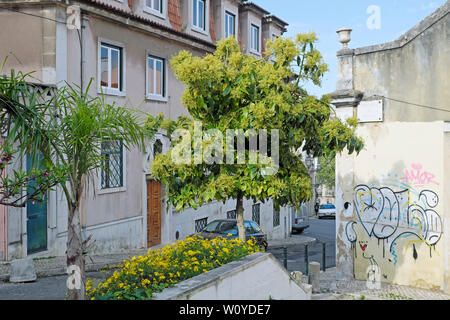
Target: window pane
{"x": 115, "y": 68}
{"x": 159, "y": 77}
{"x": 227, "y": 34}
{"x": 112, "y": 170}
{"x": 157, "y": 5}
{"x": 233, "y": 25}
{"x": 151, "y": 76}
{"x": 195, "y": 13}
{"x": 255, "y": 38}
{"x": 149, "y": 3}
{"x": 201, "y": 14}
{"x": 252, "y": 43}
{"x": 104, "y": 66}
{"x": 229, "y": 24}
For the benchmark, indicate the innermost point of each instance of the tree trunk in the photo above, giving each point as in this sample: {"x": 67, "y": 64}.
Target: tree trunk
{"x": 75, "y": 258}
{"x": 240, "y": 216}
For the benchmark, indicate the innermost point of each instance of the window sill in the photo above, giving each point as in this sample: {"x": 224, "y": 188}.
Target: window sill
{"x": 111, "y": 190}
{"x": 200, "y": 30}
{"x": 155, "y": 13}
{"x": 157, "y": 98}
{"x": 256, "y": 53}
{"x": 112, "y": 92}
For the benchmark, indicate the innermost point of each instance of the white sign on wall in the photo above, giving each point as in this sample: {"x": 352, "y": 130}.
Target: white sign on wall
{"x": 370, "y": 111}
{"x": 73, "y": 17}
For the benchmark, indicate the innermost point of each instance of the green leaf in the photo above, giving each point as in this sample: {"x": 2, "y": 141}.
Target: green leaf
{"x": 226, "y": 91}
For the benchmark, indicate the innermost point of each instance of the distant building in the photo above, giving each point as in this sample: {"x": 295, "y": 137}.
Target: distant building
{"x": 392, "y": 200}
{"x": 125, "y": 46}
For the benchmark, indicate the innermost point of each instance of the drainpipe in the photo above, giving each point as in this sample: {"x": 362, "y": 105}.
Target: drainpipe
{"x": 81, "y": 38}
{"x": 4, "y": 212}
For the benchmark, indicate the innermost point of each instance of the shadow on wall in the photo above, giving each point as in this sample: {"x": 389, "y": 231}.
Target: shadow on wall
{"x": 395, "y": 236}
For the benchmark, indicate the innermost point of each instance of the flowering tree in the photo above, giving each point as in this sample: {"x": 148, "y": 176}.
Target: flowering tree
{"x": 229, "y": 90}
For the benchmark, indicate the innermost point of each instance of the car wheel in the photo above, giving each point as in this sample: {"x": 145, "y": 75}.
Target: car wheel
{"x": 264, "y": 246}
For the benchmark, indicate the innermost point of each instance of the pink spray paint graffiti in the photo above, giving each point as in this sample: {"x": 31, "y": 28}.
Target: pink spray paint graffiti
{"x": 418, "y": 177}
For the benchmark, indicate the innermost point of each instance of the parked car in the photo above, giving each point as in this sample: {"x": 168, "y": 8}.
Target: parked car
{"x": 227, "y": 228}
{"x": 327, "y": 210}
{"x": 300, "y": 219}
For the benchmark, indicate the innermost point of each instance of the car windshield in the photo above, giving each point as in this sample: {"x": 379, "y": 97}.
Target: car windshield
{"x": 227, "y": 227}
{"x": 327, "y": 206}
{"x": 211, "y": 227}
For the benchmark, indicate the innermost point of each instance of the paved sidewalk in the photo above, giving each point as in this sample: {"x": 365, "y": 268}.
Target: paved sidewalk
{"x": 54, "y": 266}
{"x": 357, "y": 290}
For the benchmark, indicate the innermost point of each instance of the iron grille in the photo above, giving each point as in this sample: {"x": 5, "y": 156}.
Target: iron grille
{"x": 276, "y": 217}
{"x": 200, "y": 224}
{"x": 231, "y": 214}
{"x": 255, "y": 213}
{"x": 112, "y": 171}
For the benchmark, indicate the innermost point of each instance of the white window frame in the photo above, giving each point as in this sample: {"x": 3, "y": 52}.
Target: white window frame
{"x": 158, "y": 13}
{"x": 205, "y": 20}
{"x": 121, "y": 91}
{"x": 258, "y": 38}
{"x": 123, "y": 188}
{"x": 229, "y": 15}
{"x": 164, "y": 81}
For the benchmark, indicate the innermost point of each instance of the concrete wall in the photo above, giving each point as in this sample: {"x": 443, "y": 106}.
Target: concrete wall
{"x": 246, "y": 19}
{"x": 220, "y": 7}
{"x": 397, "y": 221}
{"x": 391, "y": 200}
{"x": 446, "y": 215}
{"x": 256, "y": 277}
{"x": 414, "y": 69}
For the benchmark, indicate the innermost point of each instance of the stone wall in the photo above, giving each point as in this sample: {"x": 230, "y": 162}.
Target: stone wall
{"x": 256, "y": 277}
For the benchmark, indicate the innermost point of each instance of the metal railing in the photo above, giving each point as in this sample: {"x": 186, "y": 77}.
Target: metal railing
{"x": 315, "y": 248}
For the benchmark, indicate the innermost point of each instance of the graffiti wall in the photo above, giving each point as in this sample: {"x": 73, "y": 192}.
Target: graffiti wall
{"x": 391, "y": 218}
{"x": 397, "y": 224}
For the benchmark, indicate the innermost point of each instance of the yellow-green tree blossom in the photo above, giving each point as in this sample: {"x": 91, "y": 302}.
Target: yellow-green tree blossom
{"x": 230, "y": 90}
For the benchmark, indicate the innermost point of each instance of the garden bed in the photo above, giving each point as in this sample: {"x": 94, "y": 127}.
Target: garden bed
{"x": 140, "y": 277}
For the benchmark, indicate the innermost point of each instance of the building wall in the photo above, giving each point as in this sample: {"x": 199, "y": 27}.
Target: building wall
{"x": 115, "y": 218}
{"x": 391, "y": 199}
{"x": 399, "y": 207}
{"x": 19, "y": 51}
{"x": 256, "y": 277}
{"x": 415, "y": 71}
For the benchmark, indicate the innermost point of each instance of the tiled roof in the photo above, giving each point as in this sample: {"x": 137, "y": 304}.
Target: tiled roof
{"x": 131, "y": 15}
{"x": 255, "y": 8}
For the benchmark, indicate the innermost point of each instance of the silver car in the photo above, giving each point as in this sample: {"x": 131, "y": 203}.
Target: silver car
{"x": 300, "y": 219}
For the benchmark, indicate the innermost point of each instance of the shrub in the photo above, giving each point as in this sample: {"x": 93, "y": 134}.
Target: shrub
{"x": 139, "y": 277}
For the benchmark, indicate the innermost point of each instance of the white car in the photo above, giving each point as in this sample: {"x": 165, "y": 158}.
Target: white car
{"x": 326, "y": 210}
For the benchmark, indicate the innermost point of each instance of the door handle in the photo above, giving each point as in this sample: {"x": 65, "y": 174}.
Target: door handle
{"x": 32, "y": 217}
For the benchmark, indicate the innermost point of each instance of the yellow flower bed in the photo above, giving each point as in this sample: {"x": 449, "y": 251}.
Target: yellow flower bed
{"x": 139, "y": 277}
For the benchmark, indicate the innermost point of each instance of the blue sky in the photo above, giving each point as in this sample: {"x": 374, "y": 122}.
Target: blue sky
{"x": 326, "y": 16}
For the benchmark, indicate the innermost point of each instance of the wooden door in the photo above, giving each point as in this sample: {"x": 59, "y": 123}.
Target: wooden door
{"x": 153, "y": 213}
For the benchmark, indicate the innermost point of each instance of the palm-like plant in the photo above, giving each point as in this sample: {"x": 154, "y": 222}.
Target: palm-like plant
{"x": 67, "y": 132}
{"x": 84, "y": 124}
